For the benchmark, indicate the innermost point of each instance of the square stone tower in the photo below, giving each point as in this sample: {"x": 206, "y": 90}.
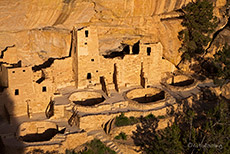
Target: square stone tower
{"x": 85, "y": 57}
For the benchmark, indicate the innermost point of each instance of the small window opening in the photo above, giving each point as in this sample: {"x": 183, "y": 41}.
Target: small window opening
{"x": 96, "y": 70}
{"x": 89, "y": 76}
{"x": 92, "y": 59}
{"x": 16, "y": 92}
{"x": 44, "y": 89}
{"x": 13, "y": 71}
{"x": 148, "y": 51}
{"x": 86, "y": 33}
{"x": 163, "y": 57}
{"x": 85, "y": 43}
{"x": 23, "y": 70}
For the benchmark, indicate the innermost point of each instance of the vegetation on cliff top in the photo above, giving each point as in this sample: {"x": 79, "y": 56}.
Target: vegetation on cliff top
{"x": 199, "y": 24}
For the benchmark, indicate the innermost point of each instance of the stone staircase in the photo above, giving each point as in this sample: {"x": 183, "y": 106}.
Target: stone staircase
{"x": 100, "y": 134}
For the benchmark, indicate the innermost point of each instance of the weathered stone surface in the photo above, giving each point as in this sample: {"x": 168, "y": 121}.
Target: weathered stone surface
{"x": 34, "y": 47}
{"x": 221, "y": 39}
{"x": 21, "y": 23}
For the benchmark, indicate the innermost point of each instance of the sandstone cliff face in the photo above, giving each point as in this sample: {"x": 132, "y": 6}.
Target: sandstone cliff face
{"x": 41, "y": 29}
{"x": 34, "y": 47}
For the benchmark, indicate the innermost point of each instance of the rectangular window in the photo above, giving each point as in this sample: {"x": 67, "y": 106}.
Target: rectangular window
{"x": 89, "y": 76}
{"x": 86, "y": 33}
{"x": 148, "y": 51}
{"x": 44, "y": 89}
{"x": 16, "y": 92}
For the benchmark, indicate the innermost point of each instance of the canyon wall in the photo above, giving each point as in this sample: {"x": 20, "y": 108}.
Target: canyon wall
{"x": 36, "y": 30}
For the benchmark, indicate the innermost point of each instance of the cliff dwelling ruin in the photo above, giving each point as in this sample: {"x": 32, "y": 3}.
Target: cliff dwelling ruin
{"x": 74, "y": 77}
{"x": 69, "y": 69}
{"x": 64, "y": 97}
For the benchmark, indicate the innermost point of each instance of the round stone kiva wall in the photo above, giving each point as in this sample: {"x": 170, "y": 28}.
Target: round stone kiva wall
{"x": 146, "y": 95}
{"x": 180, "y": 81}
{"x": 86, "y": 98}
{"x": 37, "y": 131}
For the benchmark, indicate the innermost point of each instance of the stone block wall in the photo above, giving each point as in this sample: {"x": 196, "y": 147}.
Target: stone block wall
{"x": 89, "y": 66}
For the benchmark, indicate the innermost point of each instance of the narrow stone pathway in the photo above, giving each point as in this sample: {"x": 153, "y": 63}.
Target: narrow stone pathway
{"x": 100, "y": 134}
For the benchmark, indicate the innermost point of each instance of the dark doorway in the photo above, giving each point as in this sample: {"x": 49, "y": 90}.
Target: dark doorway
{"x": 148, "y": 51}
{"x": 89, "y": 76}
{"x": 136, "y": 48}
{"x": 16, "y": 92}
{"x": 44, "y": 89}
{"x": 86, "y": 33}
{"x": 126, "y": 50}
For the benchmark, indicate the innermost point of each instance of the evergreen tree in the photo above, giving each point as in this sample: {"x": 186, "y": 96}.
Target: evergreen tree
{"x": 196, "y": 130}
{"x": 199, "y": 23}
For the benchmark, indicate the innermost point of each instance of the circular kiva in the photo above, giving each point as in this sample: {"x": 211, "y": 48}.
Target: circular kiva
{"x": 36, "y": 131}
{"x": 146, "y": 95}
{"x": 180, "y": 82}
{"x": 86, "y": 98}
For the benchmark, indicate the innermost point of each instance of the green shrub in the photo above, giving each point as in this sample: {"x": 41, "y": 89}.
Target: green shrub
{"x": 96, "y": 146}
{"x": 150, "y": 116}
{"x": 122, "y": 120}
{"x": 161, "y": 117}
{"x": 122, "y": 136}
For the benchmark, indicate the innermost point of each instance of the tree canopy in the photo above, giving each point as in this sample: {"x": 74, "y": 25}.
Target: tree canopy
{"x": 198, "y": 23}
{"x": 205, "y": 128}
